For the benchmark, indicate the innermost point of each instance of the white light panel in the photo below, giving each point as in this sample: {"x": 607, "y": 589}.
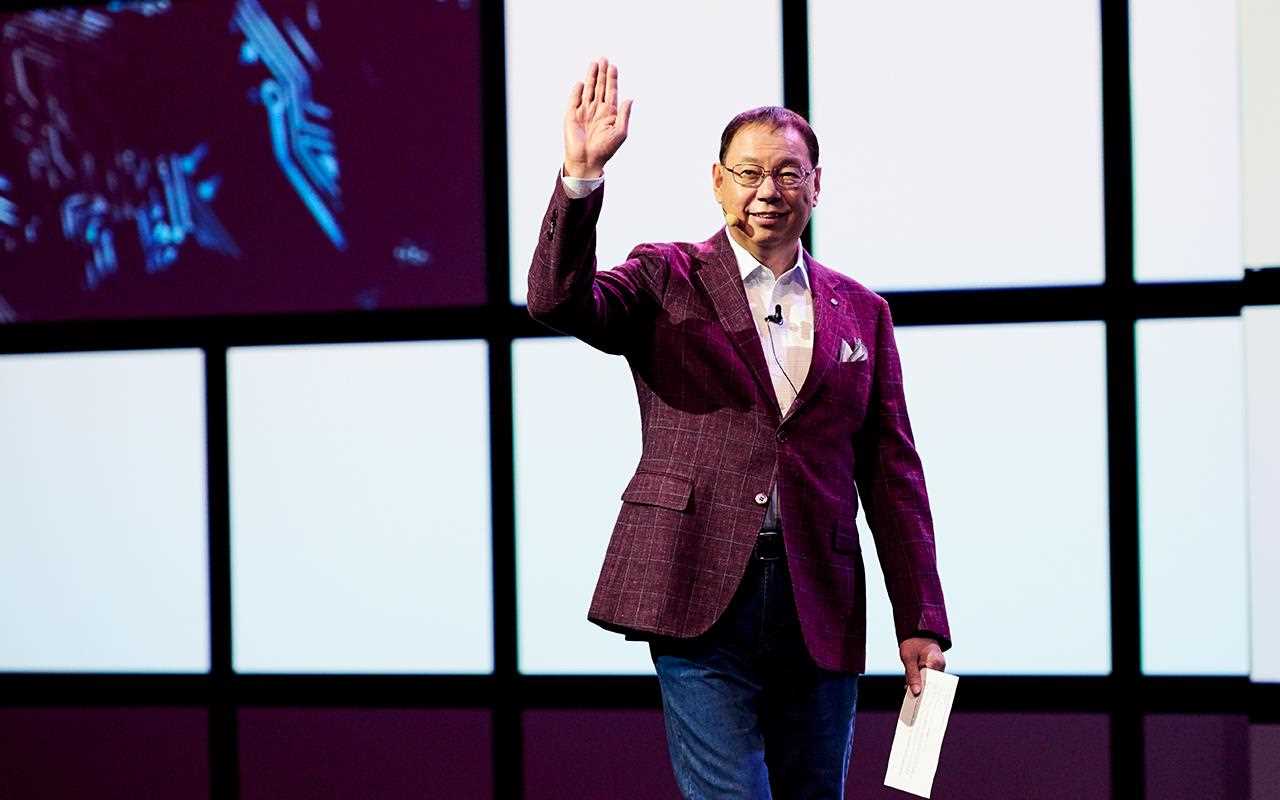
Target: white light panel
{"x": 360, "y": 508}
{"x": 103, "y": 512}
{"x": 961, "y": 142}
{"x": 1191, "y": 496}
{"x": 1010, "y": 422}
{"x": 1260, "y": 98}
{"x": 577, "y": 443}
{"x": 1184, "y": 63}
{"x": 1262, "y": 353}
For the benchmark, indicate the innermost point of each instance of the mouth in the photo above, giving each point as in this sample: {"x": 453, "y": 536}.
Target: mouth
{"x": 767, "y": 216}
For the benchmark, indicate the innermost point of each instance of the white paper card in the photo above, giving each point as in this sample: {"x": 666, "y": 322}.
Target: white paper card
{"x": 917, "y": 743}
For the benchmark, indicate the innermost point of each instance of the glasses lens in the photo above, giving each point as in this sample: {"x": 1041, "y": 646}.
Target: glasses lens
{"x": 789, "y": 178}
{"x": 749, "y": 176}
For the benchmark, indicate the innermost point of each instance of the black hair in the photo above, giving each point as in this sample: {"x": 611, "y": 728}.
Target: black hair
{"x": 775, "y": 117}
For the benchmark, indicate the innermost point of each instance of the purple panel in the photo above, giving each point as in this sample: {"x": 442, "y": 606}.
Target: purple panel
{"x": 1197, "y": 756}
{"x": 104, "y": 752}
{"x": 995, "y": 755}
{"x": 233, "y": 156}
{"x": 365, "y": 753}
{"x": 1264, "y": 761}
{"x": 620, "y": 755}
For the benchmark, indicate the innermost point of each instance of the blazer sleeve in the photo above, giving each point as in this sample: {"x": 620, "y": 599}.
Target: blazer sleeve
{"x": 890, "y": 481}
{"x": 566, "y": 293}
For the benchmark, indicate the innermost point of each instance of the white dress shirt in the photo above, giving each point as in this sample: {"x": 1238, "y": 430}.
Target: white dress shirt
{"x": 788, "y": 346}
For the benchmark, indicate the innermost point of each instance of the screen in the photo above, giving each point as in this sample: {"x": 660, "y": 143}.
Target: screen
{"x": 1010, "y": 424}
{"x": 1262, "y": 333}
{"x": 361, "y": 528}
{"x": 1191, "y": 497}
{"x": 103, "y": 522}
{"x": 961, "y": 142}
{"x": 233, "y": 156}
{"x": 1185, "y": 72}
{"x": 1260, "y": 158}
{"x": 577, "y": 443}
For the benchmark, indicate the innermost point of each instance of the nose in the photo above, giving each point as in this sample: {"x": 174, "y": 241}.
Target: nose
{"x": 772, "y": 191}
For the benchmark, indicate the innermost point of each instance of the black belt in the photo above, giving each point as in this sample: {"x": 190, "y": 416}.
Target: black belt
{"x": 768, "y": 546}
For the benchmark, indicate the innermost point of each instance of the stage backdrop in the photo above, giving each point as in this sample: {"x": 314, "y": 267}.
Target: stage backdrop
{"x": 231, "y": 156}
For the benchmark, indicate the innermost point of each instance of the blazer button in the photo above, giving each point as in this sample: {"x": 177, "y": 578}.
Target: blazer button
{"x": 762, "y": 498}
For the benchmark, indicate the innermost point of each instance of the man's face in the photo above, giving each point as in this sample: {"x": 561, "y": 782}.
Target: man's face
{"x": 773, "y": 216}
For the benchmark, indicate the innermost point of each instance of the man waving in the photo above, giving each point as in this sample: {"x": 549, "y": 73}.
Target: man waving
{"x": 771, "y": 405}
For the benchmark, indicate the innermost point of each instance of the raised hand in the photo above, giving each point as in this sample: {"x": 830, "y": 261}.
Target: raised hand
{"x": 594, "y": 128}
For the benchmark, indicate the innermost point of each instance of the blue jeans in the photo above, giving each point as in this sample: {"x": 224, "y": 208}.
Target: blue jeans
{"x": 749, "y": 716}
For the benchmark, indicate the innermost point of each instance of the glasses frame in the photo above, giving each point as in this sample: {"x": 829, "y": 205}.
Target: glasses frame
{"x": 772, "y": 173}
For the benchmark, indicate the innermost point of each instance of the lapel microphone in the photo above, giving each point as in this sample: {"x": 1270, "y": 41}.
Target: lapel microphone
{"x": 776, "y": 318}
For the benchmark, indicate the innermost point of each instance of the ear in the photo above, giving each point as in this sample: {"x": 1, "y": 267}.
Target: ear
{"x": 817, "y": 185}
{"x": 717, "y": 180}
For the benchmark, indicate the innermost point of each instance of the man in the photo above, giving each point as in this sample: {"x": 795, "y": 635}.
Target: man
{"x": 769, "y": 388}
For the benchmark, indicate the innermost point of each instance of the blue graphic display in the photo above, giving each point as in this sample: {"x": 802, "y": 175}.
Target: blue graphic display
{"x": 162, "y": 158}
{"x": 163, "y": 200}
{"x": 159, "y": 196}
{"x": 10, "y": 228}
{"x": 300, "y": 138}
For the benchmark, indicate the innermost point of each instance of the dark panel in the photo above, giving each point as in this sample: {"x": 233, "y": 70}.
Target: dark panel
{"x": 1264, "y": 761}
{"x": 1262, "y": 286}
{"x": 103, "y": 753}
{"x": 995, "y": 755}
{"x": 615, "y": 754}
{"x": 234, "y": 156}
{"x": 370, "y": 754}
{"x": 1197, "y": 757}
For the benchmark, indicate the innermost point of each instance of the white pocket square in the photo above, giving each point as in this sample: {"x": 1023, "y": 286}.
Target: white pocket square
{"x": 858, "y": 352}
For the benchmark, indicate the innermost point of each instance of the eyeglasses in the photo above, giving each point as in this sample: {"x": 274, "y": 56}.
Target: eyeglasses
{"x": 751, "y": 176}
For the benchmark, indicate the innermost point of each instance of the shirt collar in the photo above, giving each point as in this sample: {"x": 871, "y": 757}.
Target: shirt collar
{"x": 747, "y": 263}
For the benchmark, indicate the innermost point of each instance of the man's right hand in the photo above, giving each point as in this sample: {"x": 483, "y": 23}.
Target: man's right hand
{"x": 594, "y": 128}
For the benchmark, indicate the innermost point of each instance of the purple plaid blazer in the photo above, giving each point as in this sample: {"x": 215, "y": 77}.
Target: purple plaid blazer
{"x": 714, "y": 440}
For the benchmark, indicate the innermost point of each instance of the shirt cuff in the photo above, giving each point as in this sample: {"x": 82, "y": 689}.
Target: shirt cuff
{"x": 578, "y": 188}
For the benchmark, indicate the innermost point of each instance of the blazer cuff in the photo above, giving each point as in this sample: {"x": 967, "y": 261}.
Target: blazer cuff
{"x": 928, "y": 620}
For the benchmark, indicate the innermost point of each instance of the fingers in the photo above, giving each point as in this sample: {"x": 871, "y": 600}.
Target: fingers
{"x": 602, "y": 79}
{"x": 935, "y": 660}
{"x": 611, "y": 88}
{"x": 913, "y": 677}
{"x": 598, "y": 93}
{"x": 917, "y": 654}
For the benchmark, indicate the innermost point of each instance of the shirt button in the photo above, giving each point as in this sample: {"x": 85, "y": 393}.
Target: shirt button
{"x": 762, "y": 498}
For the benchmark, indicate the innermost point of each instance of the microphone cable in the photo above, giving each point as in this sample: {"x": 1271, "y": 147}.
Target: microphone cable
{"x": 776, "y": 317}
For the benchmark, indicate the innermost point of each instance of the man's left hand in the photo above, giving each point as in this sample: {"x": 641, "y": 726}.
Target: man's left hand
{"x": 919, "y": 652}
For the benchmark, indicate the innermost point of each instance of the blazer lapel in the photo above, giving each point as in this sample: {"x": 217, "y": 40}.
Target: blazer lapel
{"x": 722, "y": 282}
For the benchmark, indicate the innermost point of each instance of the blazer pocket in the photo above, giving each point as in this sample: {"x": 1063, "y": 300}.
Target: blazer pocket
{"x": 659, "y": 489}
